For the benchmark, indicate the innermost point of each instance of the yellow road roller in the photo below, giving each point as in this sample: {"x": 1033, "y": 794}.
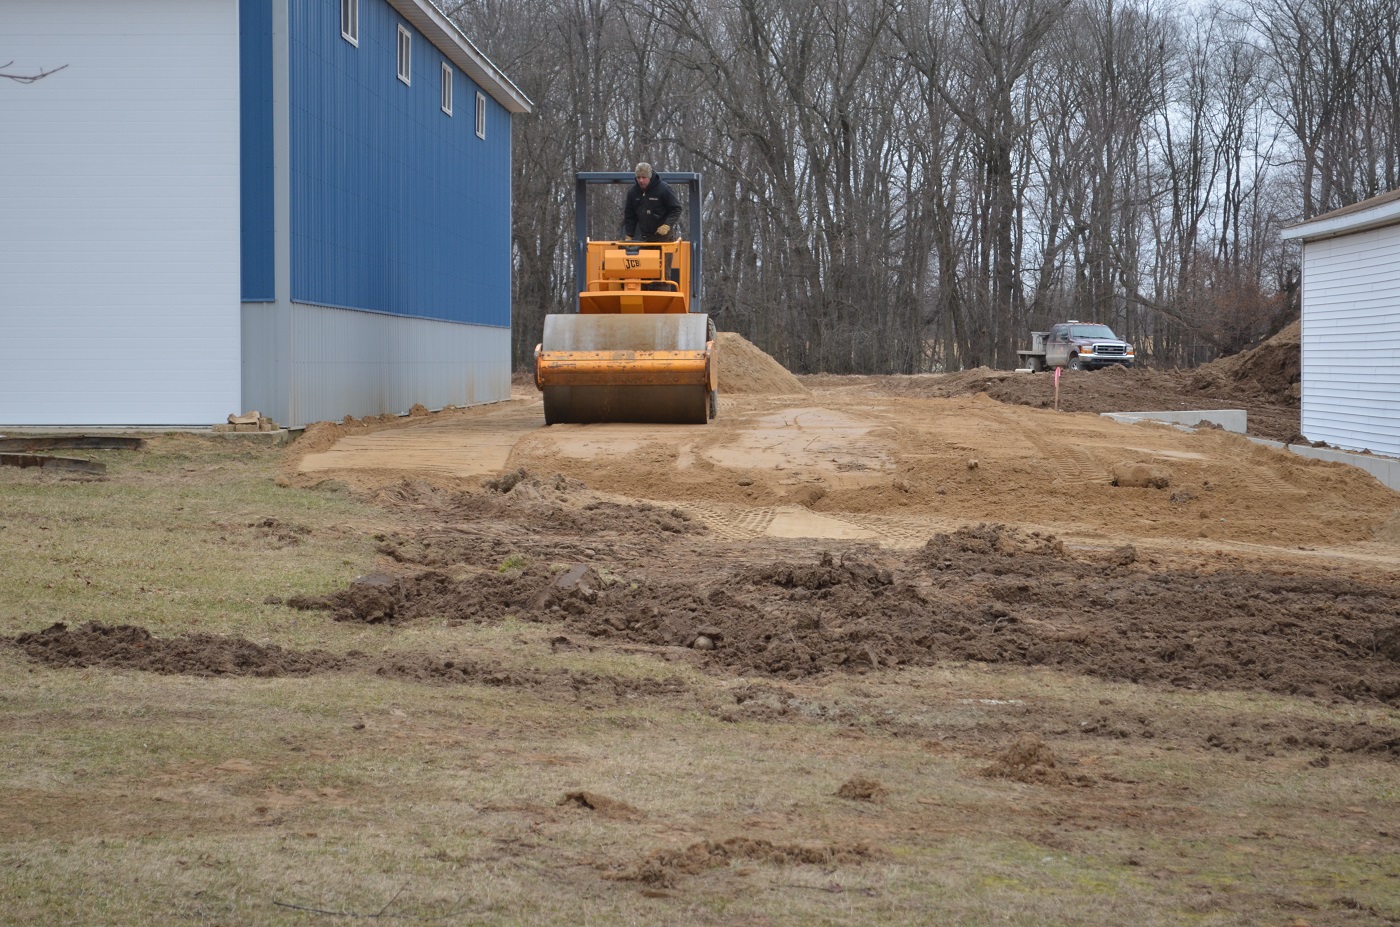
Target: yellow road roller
{"x": 638, "y": 348}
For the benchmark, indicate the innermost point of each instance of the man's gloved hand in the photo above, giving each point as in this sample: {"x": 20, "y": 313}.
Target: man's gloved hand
{"x": 663, "y": 230}
{"x": 626, "y": 237}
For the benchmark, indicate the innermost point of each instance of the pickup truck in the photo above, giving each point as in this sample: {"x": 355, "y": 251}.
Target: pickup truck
{"x": 1078, "y": 346}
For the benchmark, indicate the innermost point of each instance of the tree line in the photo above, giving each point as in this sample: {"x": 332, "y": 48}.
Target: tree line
{"x": 902, "y": 186}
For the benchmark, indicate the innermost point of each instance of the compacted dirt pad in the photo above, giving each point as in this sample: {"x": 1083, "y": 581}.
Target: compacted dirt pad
{"x": 859, "y": 524}
{"x": 839, "y": 525}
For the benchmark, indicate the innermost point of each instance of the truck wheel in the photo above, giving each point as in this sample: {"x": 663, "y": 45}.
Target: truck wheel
{"x": 1074, "y": 363}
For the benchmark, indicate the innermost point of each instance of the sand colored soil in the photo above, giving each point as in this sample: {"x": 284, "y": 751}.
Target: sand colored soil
{"x": 863, "y": 524}
{"x": 880, "y": 522}
{"x": 746, "y": 370}
{"x": 1265, "y": 382}
{"x": 893, "y": 460}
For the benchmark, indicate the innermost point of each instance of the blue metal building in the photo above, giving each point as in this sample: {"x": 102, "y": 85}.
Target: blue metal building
{"x": 376, "y": 210}
{"x": 299, "y": 207}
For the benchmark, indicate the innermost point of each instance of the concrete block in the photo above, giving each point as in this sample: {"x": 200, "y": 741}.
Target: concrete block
{"x": 1235, "y": 420}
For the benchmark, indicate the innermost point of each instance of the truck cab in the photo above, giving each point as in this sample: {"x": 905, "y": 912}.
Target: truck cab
{"x": 1085, "y": 346}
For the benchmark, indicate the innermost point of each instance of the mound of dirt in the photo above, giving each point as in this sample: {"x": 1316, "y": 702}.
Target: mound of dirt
{"x": 127, "y": 646}
{"x": 745, "y": 369}
{"x": 859, "y": 788}
{"x": 488, "y": 529}
{"x": 1270, "y": 372}
{"x": 662, "y": 869}
{"x": 986, "y": 593}
{"x": 131, "y": 647}
{"x": 1030, "y": 760}
{"x": 1264, "y": 381}
{"x": 611, "y": 808}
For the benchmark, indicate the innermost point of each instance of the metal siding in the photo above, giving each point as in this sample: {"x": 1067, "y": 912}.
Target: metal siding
{"x": 266, "y": 336}
{"x": 1351, "y": 341}
{"x": 119, "y": 213}
{"x": 396, "y": 207}
{"x": 255, "y": 87}
{"x": 343, "y": 362}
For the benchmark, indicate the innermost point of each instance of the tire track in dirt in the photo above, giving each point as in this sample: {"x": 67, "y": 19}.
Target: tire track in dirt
{"x": 734, "y": 524}
{"x": 1072, "y": 465}
{"x": 1271, "y": 483}
{"x": 458, "y": 446}
{"x": 730, "y": 524}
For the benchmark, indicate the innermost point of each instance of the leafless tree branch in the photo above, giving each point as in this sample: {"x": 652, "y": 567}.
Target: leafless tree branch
{"x": 27, "y": 78}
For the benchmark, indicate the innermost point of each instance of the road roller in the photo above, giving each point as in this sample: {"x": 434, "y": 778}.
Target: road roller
{"x": 638, "y": 348}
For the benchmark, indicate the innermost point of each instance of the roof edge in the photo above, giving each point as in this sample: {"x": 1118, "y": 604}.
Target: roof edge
{"x": 428, "y": 19}
{"x": 1365, "y": 216}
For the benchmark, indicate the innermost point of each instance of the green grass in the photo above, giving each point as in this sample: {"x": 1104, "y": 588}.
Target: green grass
{"x": 173, "y": 539}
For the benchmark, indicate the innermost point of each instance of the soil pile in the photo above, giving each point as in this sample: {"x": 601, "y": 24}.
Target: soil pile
{"x": 1264, "y": 381}
{"x": 745, "y": 369}
{"x": 859, "y": 788}
{"x": 131, "y": 647}
{"x": 1270, "y": 373}
{"x": 1029, "y": 760}
{"x": 984, "y": 593}
{"x": 663, "y": 869}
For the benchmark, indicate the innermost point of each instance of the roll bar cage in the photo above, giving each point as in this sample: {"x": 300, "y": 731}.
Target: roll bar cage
{"x": 675, "y": 178}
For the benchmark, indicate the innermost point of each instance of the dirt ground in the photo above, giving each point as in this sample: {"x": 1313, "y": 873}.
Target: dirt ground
{"x": 881, "y": 522}
{"x": 876, "y": 523}
{"x": 828, "y": 527}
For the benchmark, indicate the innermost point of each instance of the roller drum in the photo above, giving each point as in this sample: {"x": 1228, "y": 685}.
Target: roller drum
{"x": 625, "y": 368}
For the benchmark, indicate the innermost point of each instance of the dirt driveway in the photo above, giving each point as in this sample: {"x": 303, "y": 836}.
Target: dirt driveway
{"x": 895, "y": 460}
{"x": 959, "y": 526}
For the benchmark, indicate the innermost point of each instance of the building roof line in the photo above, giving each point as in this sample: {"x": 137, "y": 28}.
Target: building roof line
{"x": 1376, "y": 212}
{"x": 430, "y": 20}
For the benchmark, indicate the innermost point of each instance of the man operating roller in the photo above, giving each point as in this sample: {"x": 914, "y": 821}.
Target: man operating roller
{"x": 653, "y": 211}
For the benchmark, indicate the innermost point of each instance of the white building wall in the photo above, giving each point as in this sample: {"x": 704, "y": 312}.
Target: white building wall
{"x": 1351, "y": 341}
{"x": 340, "y": 361}
{"x": 119, "y": 213}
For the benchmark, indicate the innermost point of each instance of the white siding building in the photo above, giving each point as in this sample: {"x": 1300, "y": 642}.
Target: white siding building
{"x": 295, "y": 207}
{"x": 1351, "y": 326}
{"x": 119, "y": 213}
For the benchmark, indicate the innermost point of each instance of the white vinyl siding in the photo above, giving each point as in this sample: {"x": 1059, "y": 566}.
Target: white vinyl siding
{"x": 119, "y": 224}
{"x": 447, "y": 89}
{"x": 350, "y": 21}
{"x": 405, "y": 56}
{"x": 1351, "y": 341}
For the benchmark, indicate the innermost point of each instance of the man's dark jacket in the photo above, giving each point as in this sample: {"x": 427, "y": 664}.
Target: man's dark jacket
{"x": 646, "y": 209}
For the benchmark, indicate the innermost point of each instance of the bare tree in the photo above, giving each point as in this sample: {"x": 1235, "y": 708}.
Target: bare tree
{"x": 27, "y": 78}
{"x": 906, "y": 185}
{"x": 1320, "y": 50}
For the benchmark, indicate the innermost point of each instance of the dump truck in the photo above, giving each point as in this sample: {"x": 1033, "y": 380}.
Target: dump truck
{"x": 1078, "y": 346}
{"x": 638, "y": 347}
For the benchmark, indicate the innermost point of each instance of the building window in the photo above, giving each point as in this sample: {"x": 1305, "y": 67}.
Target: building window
{"x": 480, "y": 115}
{"x": 447, "y": 90}
{"x": 405, "y": 56}
{"x": 350, "y": 21}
